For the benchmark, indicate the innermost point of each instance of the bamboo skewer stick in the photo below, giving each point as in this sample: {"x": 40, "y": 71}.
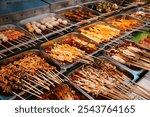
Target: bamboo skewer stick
{"x": 36, "y": 37}
{"x": 40, "y": 81}
{"x": 55, "y": 31}
{"x": 26, "y": 41}
{"x": 7, "y": 48}
{"x": 2, "y": 54}
{"x": 33, "y": 87}
{"x": 44, "y": 37}
{"x": 45, "y": 79}
{"x": 21, "y": 43}
{"x": 38, "y": 84}
{"x": 30, "y": 41}
{"x": 14, "y": 45}
{"x": 31, "y": 93}
{"x": 54, "y": 79}
{"x": 18, "y": 95}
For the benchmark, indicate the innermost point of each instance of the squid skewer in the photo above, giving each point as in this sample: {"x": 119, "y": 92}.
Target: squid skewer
{"x": 55, "y": 78}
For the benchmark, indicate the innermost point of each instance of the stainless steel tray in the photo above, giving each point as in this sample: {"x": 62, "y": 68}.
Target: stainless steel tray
{"x": 118, "y": 67}
{"x": 18, "y": 57}
{"x": 135, "y": 70}
{"x": 122, "y": 33}
{"x": 63, "y": 11}
{"x": 92, "y": 5}
{"x": 64, "y": 39}
{"x": 139, "y": 25}
{"x": 11, "y": 47}
{"x": 47, "y": 32}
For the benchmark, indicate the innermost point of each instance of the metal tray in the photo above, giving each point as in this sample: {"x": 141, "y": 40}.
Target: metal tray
{"x": 122, "y": 34}
{"x": 46, "y": 33}
{"x": 18, "y": 45}
{"x": 136, "y": 10}
{"x": 118, "y": 67}
{"x": 63, "y": 11}
{"x": 62, "y": 39}
{"x": 16, "y": 58}
{"x": 92, "y": 5}
{"x": 135, "y": 70}
{"x": 140, "y": 25}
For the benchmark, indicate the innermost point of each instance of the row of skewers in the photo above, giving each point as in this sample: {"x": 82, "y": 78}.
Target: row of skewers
{"x": 47, "y": 23}
{"x": 14, "y": 38}
{"x": 103, "y": 79}
{"x": 100, "y": 32}
{"x": 71, "y": 49}
{"x": 34, "y": 76}
{"x": 125, "y": 23}
{"x": 78, "y": 14}
{"x": 31, "y": 72}
{"x": 141, "y": 15}
{"x": 19, "y": 75}
{"x": 130, "y": 54}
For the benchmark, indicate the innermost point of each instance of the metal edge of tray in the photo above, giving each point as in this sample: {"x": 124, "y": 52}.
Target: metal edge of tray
{"x": 136, "y": 72}
{"x": 20, "y": 56}
{"x": 37, "y": 18}
{"x": 60, "y": 12}
{"x": 60, "y": 64}
{"x": 102, "y": 45}
{"x": 120, "y": 68}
